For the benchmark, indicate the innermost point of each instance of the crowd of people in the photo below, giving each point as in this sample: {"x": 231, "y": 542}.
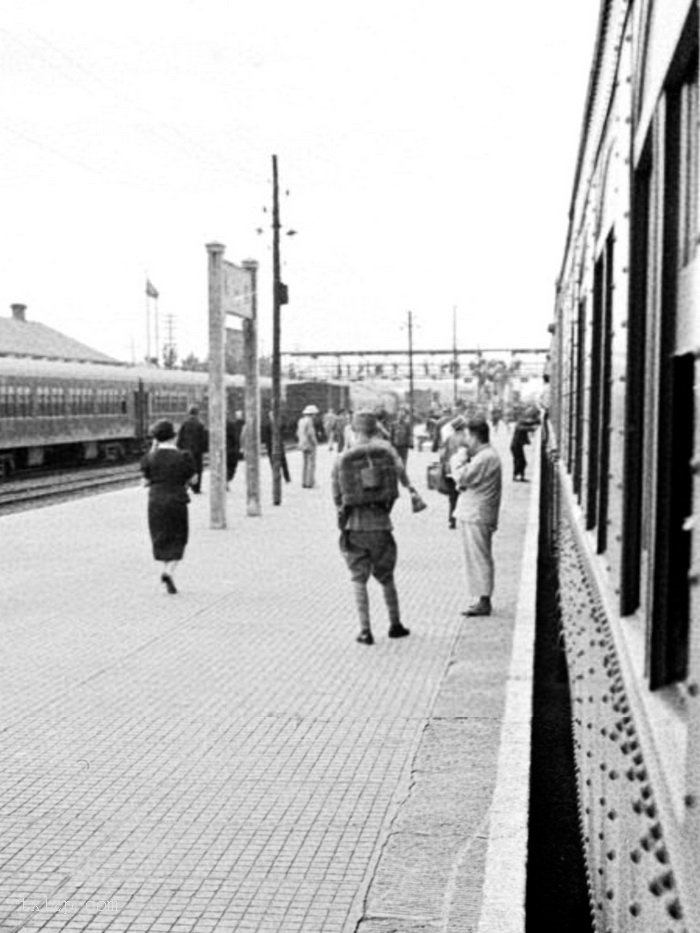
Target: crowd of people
{"x": 371, "y": 463}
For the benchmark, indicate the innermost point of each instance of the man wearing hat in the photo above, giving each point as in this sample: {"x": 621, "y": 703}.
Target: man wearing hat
{"x": 366, "y": 540}
{"x": 308, "y": 442}
{"x": 192, "y": 436}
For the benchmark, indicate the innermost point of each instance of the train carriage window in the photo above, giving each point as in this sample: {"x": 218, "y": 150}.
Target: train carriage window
{"x": 676, "y": 412}
{"x": 578, "y": 400}
{"x": 56, "y": 401}
{"x": 688, "y": 165}
{"x": 7, "y": 401}
{"x": 635, "y": 433}
{"x": 24, "y": 401}
{"x": 601, "y": 396}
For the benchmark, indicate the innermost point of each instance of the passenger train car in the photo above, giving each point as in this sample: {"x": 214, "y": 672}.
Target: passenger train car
{"x": 54, "y": 412}
{"x": 622, "y": 474}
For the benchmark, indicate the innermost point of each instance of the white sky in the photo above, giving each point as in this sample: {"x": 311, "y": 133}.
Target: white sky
{"x": 428, "y": 149}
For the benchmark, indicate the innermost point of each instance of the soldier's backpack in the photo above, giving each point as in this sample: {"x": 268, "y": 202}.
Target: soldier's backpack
{"x": 367, "y": 475}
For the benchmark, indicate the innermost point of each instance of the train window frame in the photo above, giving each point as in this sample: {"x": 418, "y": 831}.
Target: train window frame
{"x": 671, "y": 600}
{"x": 688, "y": 163}
{"x": 579, "y": 398}
{"x": 636, "y": 432}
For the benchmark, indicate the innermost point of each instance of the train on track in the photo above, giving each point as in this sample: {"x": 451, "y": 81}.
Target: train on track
{"x": 621, "y": 471}
{"x": 54, "y": 413}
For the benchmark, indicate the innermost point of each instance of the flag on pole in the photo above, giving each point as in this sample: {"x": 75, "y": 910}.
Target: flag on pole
{"x": 151, "y": 290}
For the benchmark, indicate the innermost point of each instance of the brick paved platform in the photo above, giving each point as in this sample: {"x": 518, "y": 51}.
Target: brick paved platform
{"x": 229, "y": 759}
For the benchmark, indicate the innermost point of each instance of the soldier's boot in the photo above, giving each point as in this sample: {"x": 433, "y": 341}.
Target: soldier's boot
{"x": 362, "y": 602}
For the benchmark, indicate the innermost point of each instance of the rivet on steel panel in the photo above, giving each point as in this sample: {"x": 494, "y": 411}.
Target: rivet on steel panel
{"x": 661, "y": 855}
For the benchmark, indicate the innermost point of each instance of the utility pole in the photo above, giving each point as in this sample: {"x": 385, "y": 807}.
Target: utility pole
{"x": 410, "y": 365}
{"x": 454, "y": 356}
{"x": 276, "y": 370}
{"x": 217, "y": 397}
{"x": 252, "y": 396}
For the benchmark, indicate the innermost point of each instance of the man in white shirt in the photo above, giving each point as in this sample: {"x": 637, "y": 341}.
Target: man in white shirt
{"x": 477, "y": 473}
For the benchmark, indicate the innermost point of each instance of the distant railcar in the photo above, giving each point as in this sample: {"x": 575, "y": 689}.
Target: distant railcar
{"x": 54, "y": 412}
{"x": 622, "y": 476}
{"x": 324, "y": 395}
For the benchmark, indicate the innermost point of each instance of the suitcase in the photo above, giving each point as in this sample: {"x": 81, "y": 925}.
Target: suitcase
{"x": 433, "y": 475}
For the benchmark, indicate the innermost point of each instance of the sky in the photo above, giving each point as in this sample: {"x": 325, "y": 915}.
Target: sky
{"x": 426, "y": 155}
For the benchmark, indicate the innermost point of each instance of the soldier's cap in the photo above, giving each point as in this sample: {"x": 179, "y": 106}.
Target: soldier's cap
{"x": 365, "y": 422}
{"x": 459, "y": 423}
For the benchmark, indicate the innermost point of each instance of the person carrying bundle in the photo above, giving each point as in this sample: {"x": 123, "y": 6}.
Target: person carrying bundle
{"x": 366, "y": 481}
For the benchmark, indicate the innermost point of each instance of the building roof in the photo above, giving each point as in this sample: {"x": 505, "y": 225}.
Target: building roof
{"x": 20, "y": 337}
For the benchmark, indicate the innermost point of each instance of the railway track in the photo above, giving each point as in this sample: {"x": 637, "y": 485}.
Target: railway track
{"x": 34, "y": 492}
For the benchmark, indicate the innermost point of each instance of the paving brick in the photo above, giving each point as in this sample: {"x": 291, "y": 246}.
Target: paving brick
{"x": 229, "y": 758}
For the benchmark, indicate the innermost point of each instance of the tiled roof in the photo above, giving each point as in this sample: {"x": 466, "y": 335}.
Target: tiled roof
{"x": 29, "y": 338}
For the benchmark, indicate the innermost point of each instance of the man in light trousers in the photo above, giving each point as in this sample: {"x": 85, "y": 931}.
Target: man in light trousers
{"x": 308, "y": 442}
{"x": 476, "y": 469}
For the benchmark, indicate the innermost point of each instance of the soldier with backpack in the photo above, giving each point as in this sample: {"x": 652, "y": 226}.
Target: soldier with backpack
{"x": 365, "y": 486}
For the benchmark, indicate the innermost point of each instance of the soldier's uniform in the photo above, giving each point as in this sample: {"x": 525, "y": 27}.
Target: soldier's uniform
{"x": 366, "y": 539}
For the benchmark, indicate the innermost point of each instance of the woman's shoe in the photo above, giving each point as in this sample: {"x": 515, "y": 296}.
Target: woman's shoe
{"x": 169, "y": 583}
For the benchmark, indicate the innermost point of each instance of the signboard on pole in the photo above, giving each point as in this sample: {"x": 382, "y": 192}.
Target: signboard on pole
{"x": 237, "y": 290}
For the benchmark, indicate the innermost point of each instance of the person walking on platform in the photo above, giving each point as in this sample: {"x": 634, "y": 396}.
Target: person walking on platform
{"x": 450, "y": 446}
{"x": 521, "y": 437}
{"x": 365, "y": 485}
{"x": 308, "y": 443}
{"x": 401, "y": 433}
{"x": 192, "y": 436}
{"x": 166, "y": 472}
{"x": 329, "y": 420}
{"x": 341, "y": 422}
{"x": 266, "y": 440}
{"x": 477, "y": 473}
{"x": 234, "y": 430}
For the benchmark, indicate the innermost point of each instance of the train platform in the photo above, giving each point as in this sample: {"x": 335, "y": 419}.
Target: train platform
{"x": 229, "y": 759}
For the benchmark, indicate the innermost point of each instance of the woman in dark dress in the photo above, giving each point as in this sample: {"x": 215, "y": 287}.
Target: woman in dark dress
{"x": 167, "y": 470}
